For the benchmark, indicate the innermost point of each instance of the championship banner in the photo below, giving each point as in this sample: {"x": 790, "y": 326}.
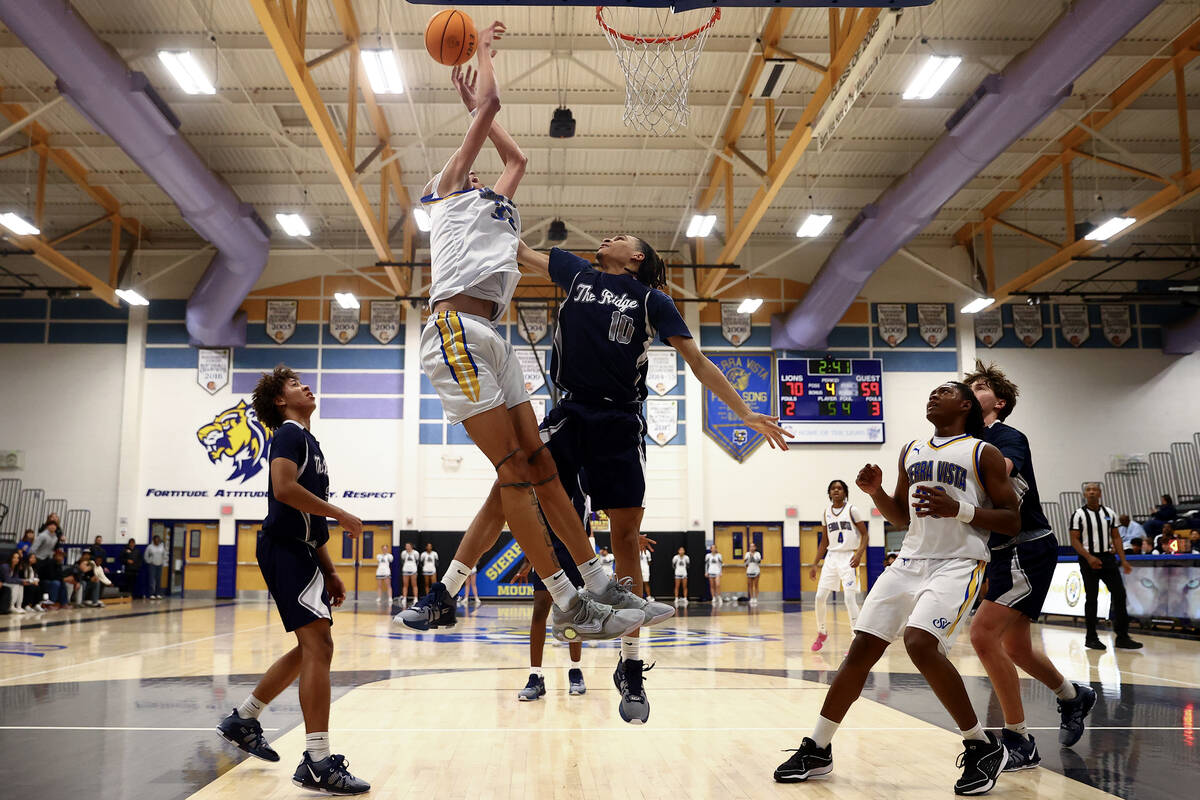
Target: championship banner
{"x": 281, "y": 319}
{"x": 531, "y": 367}
{"x": 989, "y": 327}
{"x": 212, "y": 368}
{"x": 735, "y": 327}
{"x": 855, "y": 76}
{"x": 385, "y": 320}
{"x": 1114, "y": 321}
{"x": 662, "y": 420}
{"x": 532, "y": 322}
{"x": 1027, "y": 324}
{"x": 661, "y": 374}
{"x": 750, "y": 375}
{"x": 343, "y": 322}
{"x": 931, "y": 319}
{"x": 1073, "y": 322}
{"x": 892, "y": 319}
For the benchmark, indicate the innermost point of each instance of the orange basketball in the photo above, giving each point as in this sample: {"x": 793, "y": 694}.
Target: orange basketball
{"x": 450, "y": 37}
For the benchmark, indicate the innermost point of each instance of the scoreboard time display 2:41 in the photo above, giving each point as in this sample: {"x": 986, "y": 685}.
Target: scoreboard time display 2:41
{"x": 831, "y": 400}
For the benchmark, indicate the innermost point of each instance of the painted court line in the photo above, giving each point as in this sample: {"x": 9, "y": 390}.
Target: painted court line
{"x": 131, "y": 653}
{"x": 102, "y": 728}
{"x": 710, "y": 730}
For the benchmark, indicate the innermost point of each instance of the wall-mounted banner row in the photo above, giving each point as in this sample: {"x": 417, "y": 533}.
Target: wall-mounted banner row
{"x": 1073, "y": 321}
{"x": 932, "y": 322}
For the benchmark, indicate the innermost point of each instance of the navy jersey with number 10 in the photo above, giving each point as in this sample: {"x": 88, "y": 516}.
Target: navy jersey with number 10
{"x": 605, "y": 328}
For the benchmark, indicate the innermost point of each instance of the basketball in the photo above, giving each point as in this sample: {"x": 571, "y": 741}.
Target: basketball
{"x": 450, "y": 37}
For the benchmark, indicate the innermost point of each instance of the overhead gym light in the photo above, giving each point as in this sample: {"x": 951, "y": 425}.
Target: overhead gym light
{"x": 293, "y": 224}
{"x": 1109, "y": 229}
{"x": 345, "y": 299}
{"x": 423, "y": 220}
{"x": 132, "y": 297}
{"x": 18, "y": 225}
{"x": 186, "y": 71}
{"x": 749, "y": 305}
{"x": 814, "y": 225}
{"x": 382, "y": 72}
{"x": 931, "y": 76}
{"x": 701, "y": 225}
{"x": 977, "y": 305}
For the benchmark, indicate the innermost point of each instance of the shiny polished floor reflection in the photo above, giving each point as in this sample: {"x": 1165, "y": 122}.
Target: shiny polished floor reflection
{"x": 121, "y": 702}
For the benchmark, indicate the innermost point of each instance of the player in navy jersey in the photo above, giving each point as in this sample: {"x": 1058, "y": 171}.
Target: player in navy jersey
{"x": 299, "y": 573}
{"x": 1018, "y": 579}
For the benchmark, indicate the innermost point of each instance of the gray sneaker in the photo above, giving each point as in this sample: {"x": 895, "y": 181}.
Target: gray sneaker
{"x": 587, "y": 620}
{"x": 619, "y": 594}
{"x": 535, "y": 689}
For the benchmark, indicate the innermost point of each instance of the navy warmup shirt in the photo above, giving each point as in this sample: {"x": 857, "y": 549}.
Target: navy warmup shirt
{"x": 605, "y": 329}
{"x": 1013, "y": 445}
{"x": 293, "y": 442}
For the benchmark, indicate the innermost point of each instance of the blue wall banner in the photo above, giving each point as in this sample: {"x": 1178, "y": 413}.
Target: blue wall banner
{"x": 750, "y": 374}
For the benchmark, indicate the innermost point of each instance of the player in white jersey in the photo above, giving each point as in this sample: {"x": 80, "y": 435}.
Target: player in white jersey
{"x": 383, "y": 574}
{"x": 842, "y": 548}
{"x": 429, "y": 559}
{"x": 753, "y": 561}
{"x": 408, "y": 573}
{"x": 714, "y": 565}
{"x": 680, "y": 563}
{"x": 473, "y": 255}
{"x": 959, "y": 489}
{"x": 645, "y": 558}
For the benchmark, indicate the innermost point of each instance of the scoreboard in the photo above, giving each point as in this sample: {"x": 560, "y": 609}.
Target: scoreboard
{"x": 831, "y": 400}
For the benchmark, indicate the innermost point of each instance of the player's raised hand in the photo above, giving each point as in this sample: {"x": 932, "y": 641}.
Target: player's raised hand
{"x": 870, "y": 479}
{"x": 464, "y": 82}
{"x": 769, "y": 427}
{"x": 336, "y": 589}
{"x": 350, "y": 523}
{"x": 646, "y": 543}
{"x": 491, "y": 34}
{"x": 934, "y": 502}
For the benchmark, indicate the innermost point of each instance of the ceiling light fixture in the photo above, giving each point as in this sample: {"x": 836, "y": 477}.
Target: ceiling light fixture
{"x": 132, "y": 297}
{"x": 382, "y": 72}
{"x": 814, "y": 225}
{"x": 701, "y": 225}
{"x": 977, "y": 305}
{"x": 18, "y": 225}
{"x": 423, "y": 220}
{"x": 186, "y": 71}
{"x": 749, "y": 305}
{"x": 1109, "y": 229}
{"x": 345, "y": 299}
{"x": 293, "y": 224}
{"x": 931, "y": 76}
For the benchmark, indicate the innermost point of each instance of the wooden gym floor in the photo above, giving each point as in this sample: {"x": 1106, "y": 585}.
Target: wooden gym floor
{"x": 121, "y": 702}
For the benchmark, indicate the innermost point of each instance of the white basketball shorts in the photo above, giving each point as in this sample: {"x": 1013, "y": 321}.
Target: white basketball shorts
{"x": 836, "y": 571}
{"x": 933, "y": 594}
{"x": 470, "y": 365}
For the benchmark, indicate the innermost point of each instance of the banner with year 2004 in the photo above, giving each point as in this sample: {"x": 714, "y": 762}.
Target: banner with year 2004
{"x": 343, "y": 322}
{"x": 385, "y": 320}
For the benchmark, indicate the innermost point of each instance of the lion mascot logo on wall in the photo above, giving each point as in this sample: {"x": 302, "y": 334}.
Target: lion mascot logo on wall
{"x": 237, "y": 435}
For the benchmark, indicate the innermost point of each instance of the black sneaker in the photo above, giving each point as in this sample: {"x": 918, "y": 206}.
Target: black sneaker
{"x": 246, "y": 735}
{"x": 328, "y": 776}
{"x": 1073, "y": 712}
{"x": 634, "y": 707}
{"x": 535, "y": 689}
{"x": 1125, "y": 643}
{"x": 806, "y": 761}
{"x": 982, "y": 763}
{"x": 575, "y": 678}
{"x": 434, "y": 610}
{"x": 1093, "y": 643}
{"x": 1022, "y": 751}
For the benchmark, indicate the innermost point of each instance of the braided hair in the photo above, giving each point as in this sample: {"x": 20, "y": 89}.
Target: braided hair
{"x": 652, "y": 270}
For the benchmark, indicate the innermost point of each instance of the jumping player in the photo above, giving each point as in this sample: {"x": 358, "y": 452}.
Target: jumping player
{"x": 473, "y": 244}
{"x": 300, "y": 576}
{"x": 950, "y": 480}
{"x": 1018, "y": 579}
{"x": 842, "y": 548}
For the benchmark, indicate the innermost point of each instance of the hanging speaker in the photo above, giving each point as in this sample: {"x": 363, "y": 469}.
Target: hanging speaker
{"x": 557, "y": 231}
{"x": 562, "y": 124}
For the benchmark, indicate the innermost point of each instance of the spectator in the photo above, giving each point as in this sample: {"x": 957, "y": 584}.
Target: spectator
{"x": 46, "y": 542}
{"x": 10, "y": 577}
{"x": 131, "y": 563}
{"x": 1147, "y": 547}
{"x": 889, "y": 559}
{"x": 1194, "y": 541}
{"x": 88, "y": 578}
{"x": 1134, "y": 546}
{"x": 155, "y": 558}
{"x": 52, "y": 575}
{"x": 98, "y": 553}
{"x": 32, "y": 590}
{"x": 1101, "y": 558}
{"x": 26, "y": 542}
{"x": 1130, "y": 529}
{"x": 607, "y": 560}
{"x": 52, "y": 518}
{"x": 1162, "y": 542}
{"x": 1161, "y": 516}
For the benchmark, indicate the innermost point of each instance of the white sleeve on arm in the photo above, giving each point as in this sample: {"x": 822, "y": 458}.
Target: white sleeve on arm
{"x": 856, "y": 515}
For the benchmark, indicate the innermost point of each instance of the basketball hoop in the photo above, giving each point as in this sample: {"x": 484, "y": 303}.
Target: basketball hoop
{"x": 658, "y": 54}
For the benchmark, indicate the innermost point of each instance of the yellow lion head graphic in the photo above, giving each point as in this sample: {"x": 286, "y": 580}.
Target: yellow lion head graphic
{"x": 739, "y": 378}
{"x": 236, "y": 434}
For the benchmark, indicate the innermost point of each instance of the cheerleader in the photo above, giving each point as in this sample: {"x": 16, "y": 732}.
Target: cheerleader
{"x": 383, "y": 575}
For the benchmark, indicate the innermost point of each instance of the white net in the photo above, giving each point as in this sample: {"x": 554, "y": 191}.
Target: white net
{"x": 658, "y": 51}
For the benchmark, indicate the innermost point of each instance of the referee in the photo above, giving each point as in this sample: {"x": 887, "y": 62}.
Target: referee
{"x": 1097, "y": 540}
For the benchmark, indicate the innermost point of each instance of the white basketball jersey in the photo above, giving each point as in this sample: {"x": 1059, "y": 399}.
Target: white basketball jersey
{"x": 408, "y": 560}
{"x": 473, "y": 245}
{"x": 952, "y": 465}
{"x": 840, "y": 528}
{"x": 645, "y": 560}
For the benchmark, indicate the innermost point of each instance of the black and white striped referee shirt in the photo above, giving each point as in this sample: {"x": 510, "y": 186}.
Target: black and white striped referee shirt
{"x": 1095, "y": 528}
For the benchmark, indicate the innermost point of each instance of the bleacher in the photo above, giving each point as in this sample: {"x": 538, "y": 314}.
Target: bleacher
{"x": 21, "y": 509}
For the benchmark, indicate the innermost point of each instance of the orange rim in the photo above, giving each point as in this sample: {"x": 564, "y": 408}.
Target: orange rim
{"x": 656, "y": 40}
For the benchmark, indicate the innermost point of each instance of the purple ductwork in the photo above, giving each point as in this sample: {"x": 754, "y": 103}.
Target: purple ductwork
{"x": 1004, "y": 107}
{"x": 122, "y": 104}
{"x": 1183, "y": 337}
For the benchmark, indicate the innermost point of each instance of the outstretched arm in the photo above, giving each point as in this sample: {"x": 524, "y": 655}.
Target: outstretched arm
{"x": 715, "y": 381}
{"x": 454, "y": 175}
{"x": 510, "y": 153}
{"x": 537, "y": 263}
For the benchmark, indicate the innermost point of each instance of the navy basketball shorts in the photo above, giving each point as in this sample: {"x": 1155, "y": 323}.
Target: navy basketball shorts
{"x": 607, "y": 445}
{"x": 1019, "y": 577}
{"x": 294, "y": 578}
{"x": 565, "y": 561}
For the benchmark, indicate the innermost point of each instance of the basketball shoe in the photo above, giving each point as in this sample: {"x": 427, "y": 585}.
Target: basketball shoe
{"x": 619, "y": 594}
{"x": 246, "y": 735}
{"x": 328, "y": 776}
{"x": 1022, "y": 751}
{"x": 634, "y": 707}
{"x": 535, "y": 689}
{"x": 575, "y": 676}
{"x": 982, "y": 763}
{"x": 807, "y": 761}
{"x": 1073, "y": 713}
{"x": 585, "y": 619}
{"x": 434, "y": 610}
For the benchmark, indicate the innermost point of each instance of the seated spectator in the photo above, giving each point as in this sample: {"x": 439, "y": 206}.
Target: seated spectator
{"x": 26, "y": 542}
{"x": 51, "y": 518}
{"x": 50, "y": 571}
{"x": 1130, "y": 529}
{"x": 1194, "y": 541}
{"x": 131, "y": 562}
{"x": 10, "y": 577}
{"x": 1134, "y": 546}
{"x": 46, "y": 541}
{"x": 31, "y": 599}
{"x": 1162, "y": 542}
{"x": 89, "y": 579}
{"x": 1161, "y": 516}
{"x": 1147, "y": 547}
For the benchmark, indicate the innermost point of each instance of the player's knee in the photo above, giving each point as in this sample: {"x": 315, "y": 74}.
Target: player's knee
{"x": 1017, "y": 647}
{"x": 318, "y": 648}
{"x": 921, "y": 645}
{"x": 823, "y": 595}
{"x": 514, "y": 469}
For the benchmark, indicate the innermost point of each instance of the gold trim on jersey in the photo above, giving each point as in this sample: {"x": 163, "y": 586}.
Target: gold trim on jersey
{"x": 972, "y": 588}
{"x": 947, "y": 444}
{"x": 456, "y": 355}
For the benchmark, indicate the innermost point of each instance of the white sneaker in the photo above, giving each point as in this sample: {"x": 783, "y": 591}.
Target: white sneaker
{"x": 18, "y": 610}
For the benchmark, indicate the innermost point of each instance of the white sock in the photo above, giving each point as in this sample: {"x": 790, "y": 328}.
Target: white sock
{"x": 1018, "y": 728}
{"x": 852, "y": 607}
{"x": 455, "y": 577}
{"x": 251, "y": 707}
{"x": 975, "y": 734}
{"x": 1066, "y": 691}
{"x": 822, "y": 607}
{"x": 535, "y": 671}
{"x": 561, "y": 589}
{"x": 629, "y": 646}
{"x": 823, "y": 731}
{"x": 595, "y": 579}
{"x": 317, "y": 745}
